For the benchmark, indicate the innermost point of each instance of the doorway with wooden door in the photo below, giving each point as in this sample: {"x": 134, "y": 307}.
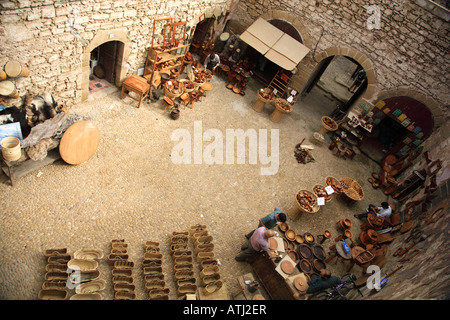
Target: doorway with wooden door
{"x": 104, "y": 65}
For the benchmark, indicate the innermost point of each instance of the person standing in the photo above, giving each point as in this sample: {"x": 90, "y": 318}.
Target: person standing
{"x": 258, "y": 242}
{"x": 212, "y": 61}
{"x": 358, "y": 81}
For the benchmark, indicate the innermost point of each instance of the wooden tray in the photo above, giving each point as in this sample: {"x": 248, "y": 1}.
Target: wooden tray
{"x": 79, "y": 143}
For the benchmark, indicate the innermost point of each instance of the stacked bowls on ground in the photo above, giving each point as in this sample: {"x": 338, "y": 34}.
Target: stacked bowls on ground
{"x": 208, "y": 264}
{"x": 183, "y": 267}
{"x": 54, "y": 286}
{"x": 85, "y": 274}
{"x": 122, "y": 272}
{"x": 154, "y": 282}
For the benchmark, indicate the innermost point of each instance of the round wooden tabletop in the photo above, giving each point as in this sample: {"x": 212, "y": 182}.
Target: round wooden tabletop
{"x": 79, "y": 143}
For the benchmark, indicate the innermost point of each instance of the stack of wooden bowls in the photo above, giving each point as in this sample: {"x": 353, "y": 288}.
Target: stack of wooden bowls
{"x": 154, "y": 282}
{"x": 207, "y": 262}
{"x": 122, "y": 273}
{"x": 88, "y": 284}
{"x": 54, "y": 286}
{"x": 183, "y": 266}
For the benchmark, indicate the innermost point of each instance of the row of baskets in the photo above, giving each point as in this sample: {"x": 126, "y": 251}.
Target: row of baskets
{"x": 154, "y": 282}
{"x": 208, "y": 264}
{"x": 307, "y": 200}
{"x": 122, "y": 272}
{"x": 183, "y": 267}
{"x": 64, "y": 272}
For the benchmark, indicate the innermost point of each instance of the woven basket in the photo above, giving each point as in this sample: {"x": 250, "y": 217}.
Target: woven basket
{"x": 328, "y": 197}
{"x": 263, "y": 99}
{"x": 327, "y": 126}
{"x": 328, "y": 182}
{"x": 185, "y": 82}
{"x": 315, "y": 208}
{"x": 171, "y": 94}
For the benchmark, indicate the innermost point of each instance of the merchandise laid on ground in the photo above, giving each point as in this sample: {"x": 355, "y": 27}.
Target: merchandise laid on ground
{"x": 114, "y": 199}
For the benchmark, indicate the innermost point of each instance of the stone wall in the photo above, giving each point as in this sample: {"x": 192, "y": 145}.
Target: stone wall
{"x": 410, "y": 49}
{"x": 51, "y": 38}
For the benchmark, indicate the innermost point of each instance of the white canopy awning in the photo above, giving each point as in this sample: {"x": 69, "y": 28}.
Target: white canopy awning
{"x": 274, "y": 44}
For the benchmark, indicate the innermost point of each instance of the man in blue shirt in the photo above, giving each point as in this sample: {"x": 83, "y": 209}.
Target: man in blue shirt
{"x": 316, "y": 284}
{"x": 270, "y": 221}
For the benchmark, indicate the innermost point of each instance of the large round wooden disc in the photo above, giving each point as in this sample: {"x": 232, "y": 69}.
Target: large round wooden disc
{"x": 79, "y": 142}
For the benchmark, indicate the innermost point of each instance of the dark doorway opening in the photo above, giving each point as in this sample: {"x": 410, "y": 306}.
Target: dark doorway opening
{"x": 104, "y": 60}
{"x": 334, "y": 78}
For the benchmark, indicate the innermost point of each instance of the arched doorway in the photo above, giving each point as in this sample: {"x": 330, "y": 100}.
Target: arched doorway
{"x": 103, "y": 65}
{"x": 334, "y": 77}
{"x": 121, "y": 54}
{"x": 401, "y": 124}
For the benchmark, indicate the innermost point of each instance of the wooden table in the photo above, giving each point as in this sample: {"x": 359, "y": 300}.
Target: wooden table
{"x": 275, "y": 285}
{"x": 137, "y": 85}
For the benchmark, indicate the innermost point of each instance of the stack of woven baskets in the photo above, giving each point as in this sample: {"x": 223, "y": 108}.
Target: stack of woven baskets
{"x": 54, "y": 286}
{"x": 122, "y": 273}
{"x": 184, "y": 276}
{"x": 208, "y": 264}
{"x": 86, "y": 274}
{"x": 154, "y": 282}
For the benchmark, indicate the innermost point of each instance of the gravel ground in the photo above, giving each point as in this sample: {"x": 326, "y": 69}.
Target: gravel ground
{"x": 130, "y": 189}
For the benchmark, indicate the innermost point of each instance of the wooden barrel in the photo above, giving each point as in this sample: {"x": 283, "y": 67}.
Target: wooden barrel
{"x": 15, "y": 69}
{"x": 11, "y": 148}
{"x": 8, "y": 89}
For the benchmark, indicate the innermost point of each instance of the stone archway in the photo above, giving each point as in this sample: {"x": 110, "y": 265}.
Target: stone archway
{"x": 354, "y": 54}
{"x": 293, "y": 20}
{"x": 429, "y": 102}
{"x": 101, "y": 37}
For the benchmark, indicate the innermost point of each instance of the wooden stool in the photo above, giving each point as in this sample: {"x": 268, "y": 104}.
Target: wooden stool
{"x": 137, "y": 85}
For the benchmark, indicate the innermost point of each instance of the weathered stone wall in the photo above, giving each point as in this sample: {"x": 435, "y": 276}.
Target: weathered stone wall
{"x": 410, "y": 49}
{"x": 51, "y": 37}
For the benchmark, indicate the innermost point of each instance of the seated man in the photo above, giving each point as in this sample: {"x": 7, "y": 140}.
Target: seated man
{"x": 258, "y": 242}
{"x": 270, "y": 220}
{"x": 316, "y": 284}
{"x": 384, "y": 211}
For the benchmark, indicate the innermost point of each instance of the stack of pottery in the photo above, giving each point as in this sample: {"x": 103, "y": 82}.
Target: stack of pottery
{"x": 122, "y": 272}
{"x": 208, "y": 264}
{"x": 183, "y": 267}
{"x": 54, "y": 286}
{"x": 154, "y": 283}
{"x": 85, "y": 274}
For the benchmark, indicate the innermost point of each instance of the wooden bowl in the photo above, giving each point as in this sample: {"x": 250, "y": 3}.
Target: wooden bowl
{"x": 309, "y": 238}
{"x": 304, "y": 251}
{"x": 299, "y": 239}
{"x": 290, "y": 235}
{"x": 293, "y": 255}
{"x": 319, "y": 252}
{"x": 305, "y": 266}
{"x": 283, "y": 226}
